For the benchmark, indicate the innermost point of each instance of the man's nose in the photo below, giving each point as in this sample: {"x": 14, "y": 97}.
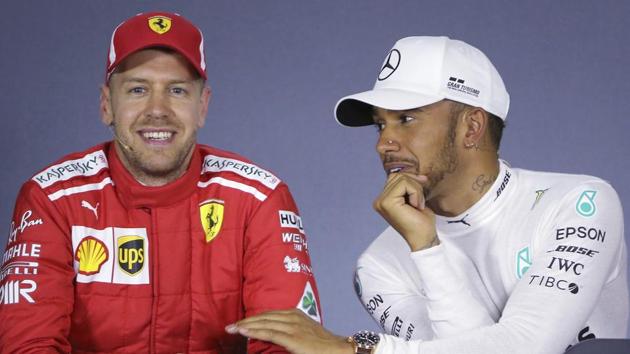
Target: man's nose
{"x": 158, "y": 105}
{"x": 387, "y": 142}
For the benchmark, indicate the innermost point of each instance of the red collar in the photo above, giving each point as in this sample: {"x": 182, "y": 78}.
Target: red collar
{"x": 134, "y": 195}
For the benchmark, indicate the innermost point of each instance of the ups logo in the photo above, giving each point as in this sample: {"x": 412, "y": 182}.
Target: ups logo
{"x": 131, "y": 254}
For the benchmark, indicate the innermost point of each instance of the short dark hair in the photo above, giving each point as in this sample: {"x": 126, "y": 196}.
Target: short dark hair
{"x": 495, "y": 124}
{"x": 495, "y": 129}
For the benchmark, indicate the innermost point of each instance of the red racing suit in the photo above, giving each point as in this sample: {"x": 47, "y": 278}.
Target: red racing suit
{"x": 96, "y": 262}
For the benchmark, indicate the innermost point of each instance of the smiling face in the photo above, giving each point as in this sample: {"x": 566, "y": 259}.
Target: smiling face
{"x": 155, "y": 103}
{"x": 419, "y": 141}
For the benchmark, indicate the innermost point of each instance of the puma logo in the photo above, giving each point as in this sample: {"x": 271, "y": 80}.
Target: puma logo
{"x": 87, "y": 205}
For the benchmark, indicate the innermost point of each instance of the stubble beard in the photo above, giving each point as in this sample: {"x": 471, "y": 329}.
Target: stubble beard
{"x": 446, "y": 161}
{"x": 140, "y": 164}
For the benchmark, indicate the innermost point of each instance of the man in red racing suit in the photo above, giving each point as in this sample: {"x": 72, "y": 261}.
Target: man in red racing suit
{"x": 100, "y": 260}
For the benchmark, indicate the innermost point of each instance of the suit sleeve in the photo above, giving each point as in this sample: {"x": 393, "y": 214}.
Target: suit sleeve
{"x": 552, "y": 302}
{"x": 36, "y": 286}
{"x": 277, "y": 267}
{"x": 415, "y": 295}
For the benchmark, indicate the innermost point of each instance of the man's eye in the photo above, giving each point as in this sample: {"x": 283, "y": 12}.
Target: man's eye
{"x": 137, "y": 90}
{"x": 178, "y": 90}
{"x": 379, "y": 126}
{"x": 406, "y": 119}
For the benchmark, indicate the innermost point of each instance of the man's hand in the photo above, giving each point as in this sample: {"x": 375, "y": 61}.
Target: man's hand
{"x": 293, "y": 330}
{"x": 402, "y": 204}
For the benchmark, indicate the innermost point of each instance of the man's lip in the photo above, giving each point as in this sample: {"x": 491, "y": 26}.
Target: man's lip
{"x": 396, "y": 167}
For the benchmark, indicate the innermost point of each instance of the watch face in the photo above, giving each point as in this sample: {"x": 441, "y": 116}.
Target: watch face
{"x": 366, "y": 339}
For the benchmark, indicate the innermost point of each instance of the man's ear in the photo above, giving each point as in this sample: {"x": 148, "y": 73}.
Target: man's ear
{"x": 476, "y": 123}
{"x": 206, "y": 95}
{"x": 105, "y": 107}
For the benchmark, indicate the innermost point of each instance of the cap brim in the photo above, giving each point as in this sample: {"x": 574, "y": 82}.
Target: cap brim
{"x": 356, "y": 110}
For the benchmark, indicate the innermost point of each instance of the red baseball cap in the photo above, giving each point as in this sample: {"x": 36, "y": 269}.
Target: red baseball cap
{"x": 157, "y": 29}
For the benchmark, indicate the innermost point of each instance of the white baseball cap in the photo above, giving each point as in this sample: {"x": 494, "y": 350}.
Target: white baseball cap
{"x": 419, "y": 71}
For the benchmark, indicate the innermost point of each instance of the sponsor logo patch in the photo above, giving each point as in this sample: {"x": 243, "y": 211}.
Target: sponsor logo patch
{"x": 539, "y": 195}
{"x": 25, "y": 222}
{"x": 523, "y": 262}
{"x": 211, "y": 213}
{"x": 566, "y": 265}
{"x": 291, "y": 220}
{"x": 298, "y": 240}
{"x": 373, "y": 303}
{"x": 12, "y": 292}
{"x": 551, "y": 282}
{"x": 462, "y": 221}
{"x": 308, "y": 303}
{"x": 574, "y": 249}
{"x": 581, "y": 232}
{"x": 159, "y": 24}
{"x": 506, "y": 180}
{"x": 99, "y": 251}
{"x": 91, "y": 255}
{"x": 390, "y": 65}
{"x": 19, "y": 268}
{"x": 131, "y": 254}
{"x": 22, "y": 250}
{"x": 85, "y": 204}
{"x": 88, "y": 165}
{"x": 384, "y": 317}
{"x": 409, "y": 331}
{"x": 456, "y": 84}
{"x": 213, "y": 163}
{"x": 585, "y": 204}
{"x": 357, "y": 284}
{"x": 396, "y": 326}
{"x": 292, "y": 265}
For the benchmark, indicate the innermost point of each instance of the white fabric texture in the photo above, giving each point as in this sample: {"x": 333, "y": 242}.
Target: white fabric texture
{"x": 536, "y": 265}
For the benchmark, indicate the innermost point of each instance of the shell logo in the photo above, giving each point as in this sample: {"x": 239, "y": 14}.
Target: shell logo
{"x": 91, "y": 255}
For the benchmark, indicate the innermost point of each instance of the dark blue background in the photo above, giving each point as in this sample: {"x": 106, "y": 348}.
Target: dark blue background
{"x": 277, "y": 67}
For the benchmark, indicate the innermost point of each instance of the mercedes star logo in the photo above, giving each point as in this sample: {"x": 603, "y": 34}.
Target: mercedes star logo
{"x": 391, "y": 64}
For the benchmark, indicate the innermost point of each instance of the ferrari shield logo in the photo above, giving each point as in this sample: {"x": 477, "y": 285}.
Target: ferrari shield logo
{"x": 160, "y": 24}
{"x": 211, "y": 213}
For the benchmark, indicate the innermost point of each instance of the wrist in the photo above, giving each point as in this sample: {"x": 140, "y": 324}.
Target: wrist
{"x": 418, "y": 244}
{"x": 364, "y": 342}
{"x": 345, "y": 346}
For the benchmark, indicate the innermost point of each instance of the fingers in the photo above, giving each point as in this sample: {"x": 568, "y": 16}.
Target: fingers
{"x": 285, "y": 321}
{"x": 401, "y": 189}
{"x": 266, "y": 334}
{"x": 285, "y": 316}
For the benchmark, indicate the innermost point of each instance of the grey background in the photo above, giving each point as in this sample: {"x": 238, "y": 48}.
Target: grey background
{"x": 277, "y": 67}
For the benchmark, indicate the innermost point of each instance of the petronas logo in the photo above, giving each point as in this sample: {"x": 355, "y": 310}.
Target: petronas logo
{"x": 523, "y": 262}
{"x": 585, "y": 205}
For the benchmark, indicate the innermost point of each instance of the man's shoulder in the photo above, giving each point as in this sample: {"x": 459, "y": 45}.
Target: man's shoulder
{"x": 222, "y": 164}
{"x": 86, "y": 164}
{"x": 562, "y": 183}
{"x": 550, "y": 193}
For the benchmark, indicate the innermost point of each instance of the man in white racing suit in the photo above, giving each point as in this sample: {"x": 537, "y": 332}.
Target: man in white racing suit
{"x": 480, "y": 257}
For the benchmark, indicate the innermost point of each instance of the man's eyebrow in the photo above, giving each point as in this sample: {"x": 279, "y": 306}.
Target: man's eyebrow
{"x": 135, "y": 79}
{"x": 375, "y": 116}
{"x": 414, "y": 110}
{"x": 144, "y": 81}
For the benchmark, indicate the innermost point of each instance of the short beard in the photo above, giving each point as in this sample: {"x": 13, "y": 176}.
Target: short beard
{"x": 447, "y": 159}
{"x": 148, "y": 174}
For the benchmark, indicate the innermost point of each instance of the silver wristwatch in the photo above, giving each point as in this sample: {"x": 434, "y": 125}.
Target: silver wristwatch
{"x": 364, "y": 342}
